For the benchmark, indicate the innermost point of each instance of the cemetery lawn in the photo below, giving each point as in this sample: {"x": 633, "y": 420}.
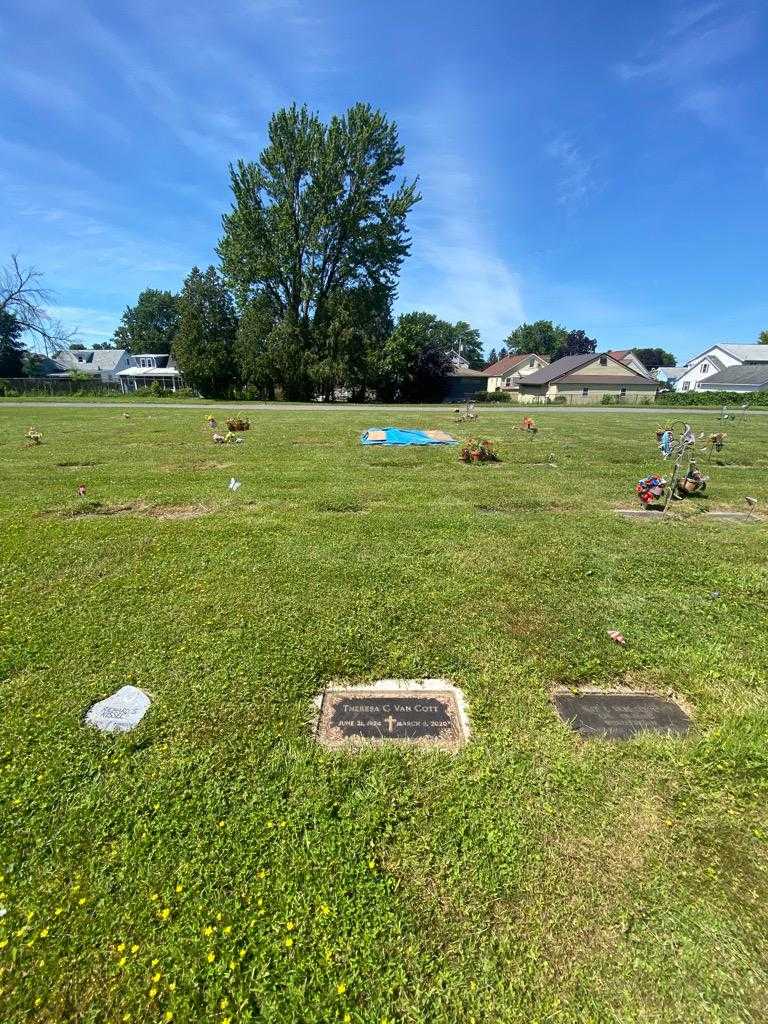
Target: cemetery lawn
{"x": 216, "y": 865}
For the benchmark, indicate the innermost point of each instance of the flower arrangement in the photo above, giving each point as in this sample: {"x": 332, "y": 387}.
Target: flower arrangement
{"x": 478, "y": 451}
{"x": 33, "y": 436}
{"x": 237, "y": 423}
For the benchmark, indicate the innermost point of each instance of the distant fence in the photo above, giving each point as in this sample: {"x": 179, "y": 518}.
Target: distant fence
{"x": 10, "y": 386}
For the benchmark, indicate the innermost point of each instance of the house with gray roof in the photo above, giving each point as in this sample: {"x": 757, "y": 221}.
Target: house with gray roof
{"x": 715, "y": 360}
{"x": 748, "y": 377}
{"x": 582, "y": 379}
{"x": 99, "y": 363}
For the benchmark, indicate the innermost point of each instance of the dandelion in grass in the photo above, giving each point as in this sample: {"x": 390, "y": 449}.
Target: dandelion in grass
{"x": 288, "y": 942}
{"x": 211, "y": 957}
{"x": 164, "y": 913}
{"x": 289, "y": 926}
{"x": 341, "y": 988}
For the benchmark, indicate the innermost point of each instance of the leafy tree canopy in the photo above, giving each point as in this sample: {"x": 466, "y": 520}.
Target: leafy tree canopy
{"x": 651, "y": 358}
{"x": 316, "y": 219}
{"x": 417, "y": 358}
{"x": 151, "y": 325}
{"x": 205, "y": 338}
{"x": 492, "y": 358}
{"x": 576, "y": 344}
{"x": 542, "y": 337}
{"x": 762, "y": 338}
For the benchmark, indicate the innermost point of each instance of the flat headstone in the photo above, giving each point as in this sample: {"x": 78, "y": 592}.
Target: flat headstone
{"x": 426, "y": 713}
{"x": 735, "y": 517}
{"x": 620, "y": 716}
{"x": 641, "y": 513}
{"x": 121, "y": 712}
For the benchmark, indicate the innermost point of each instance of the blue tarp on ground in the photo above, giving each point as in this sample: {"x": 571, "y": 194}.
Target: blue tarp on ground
{"x": 394, "y": 435}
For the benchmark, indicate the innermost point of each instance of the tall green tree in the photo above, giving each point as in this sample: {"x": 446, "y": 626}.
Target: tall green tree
{"x": 417, "y": 359}
{"x": 466, "y": 341}
{"x": 151, "y": 325}
{"x": 762, "y": 338}
{"x": 318, "y": 215}
{"x": 576, "y": 343}
{"x": 12, "y": 349}
{"x": 204, "y": 343}
{"x": 492, "y": 358}
{"x": 651, "y": 358}
{"x": 543, "y": 337}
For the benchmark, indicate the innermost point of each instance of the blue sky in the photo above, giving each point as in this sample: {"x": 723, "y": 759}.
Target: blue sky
{"x": 601, "y": 164}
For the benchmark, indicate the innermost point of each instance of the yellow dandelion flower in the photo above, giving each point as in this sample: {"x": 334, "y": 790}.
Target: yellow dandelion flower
{"x": 289, "y": 925}
{"x": 347, "y": 1018}
{"x": 44, "y": 933}
{"x": 156, "y": 977}
{"x": 262, "y": 873}
{"x": 372, "y": 864}
{"x": 283, "y": 824}
{"x": 121, "y": 947}
{"x": 211, "y": 957}
{"x": 341, "y": 988}
{"x": 3, "y": 943}
{"x": 81, "y": 901}
{"x": 58, "y": 910}
{"x": 152, "y": 993}
{"x": 242, "y": 953}
{"x": 288, "y": 942}
{"x": 208, "y": 930}
{"x": 226, "y": 1020}
{"x": 219, "y": 917}
{"x": 135, "y": 948}
{"x": 126, "y": 1017}
{"x": 172, "y": 987}
{"x": 324, "y": 909}
{"x": 232, "y": 965}
{"x": 168, "y": 1015}
{"x": 224, "y": 1003}
{"x": 227, "y": 930}
{"x": 122, "y": 961}
{"x": 165, "y": 913}
{"x": 221, "y": 824}
{"x": 155, "y": 962}
{"x": 179, "y": 888}
{"x": 38, "y": 1001}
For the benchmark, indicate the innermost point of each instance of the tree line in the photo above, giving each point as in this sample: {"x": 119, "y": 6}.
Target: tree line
{"x": 302, "y": 302}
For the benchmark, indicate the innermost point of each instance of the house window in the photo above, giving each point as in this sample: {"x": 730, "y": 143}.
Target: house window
{"x": 532, "y": 361}
{"x": 704, "y": 367}
{"x": 603, "y": 360}
{"x": 584, "y": 392}
{"x": 622, "y": 392}
{"x": 686, "y": 385}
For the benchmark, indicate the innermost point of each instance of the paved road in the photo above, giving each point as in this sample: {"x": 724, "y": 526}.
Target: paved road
{"x": 535, "y": 410}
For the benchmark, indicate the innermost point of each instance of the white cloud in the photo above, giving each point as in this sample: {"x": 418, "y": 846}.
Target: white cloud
{"x": 700, "y": 41}
{"x": 579, "y": 178}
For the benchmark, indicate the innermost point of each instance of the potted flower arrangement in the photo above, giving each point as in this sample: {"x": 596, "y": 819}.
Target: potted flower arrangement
{"x": 237, "y": 423}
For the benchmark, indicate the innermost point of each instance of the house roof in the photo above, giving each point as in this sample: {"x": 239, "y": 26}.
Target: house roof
{"x": 167, "y": 371}
{"x": 673, "y": 372}
{"x": 465, "y": 371}
{"x": 502, "y": 366}
{"x": 623, "y": 354}
{"x": 747, "y": 353}
{"x": 755, "y": 375}
{"x": 90, "y": 359}
{"x": 559, "y": 369}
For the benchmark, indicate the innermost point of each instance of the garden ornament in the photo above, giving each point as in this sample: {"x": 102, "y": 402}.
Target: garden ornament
{"x": 234, "y": 485}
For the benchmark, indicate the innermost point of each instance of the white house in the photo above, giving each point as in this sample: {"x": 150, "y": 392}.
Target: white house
{"x": 146, "y": 368}
{"x": 505, "y": 375}
{"x": 715, "y": 360}
{"x": 100, "y": 363}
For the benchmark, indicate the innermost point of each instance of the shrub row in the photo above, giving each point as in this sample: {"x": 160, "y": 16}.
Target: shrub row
{"x": 713, "y": 398}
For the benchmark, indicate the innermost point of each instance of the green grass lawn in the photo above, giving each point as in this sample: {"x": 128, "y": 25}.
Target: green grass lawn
{"x": 216, "y": 865}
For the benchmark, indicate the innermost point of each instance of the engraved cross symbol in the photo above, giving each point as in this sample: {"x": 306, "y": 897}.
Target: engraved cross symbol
{"x": 391, "y": 722}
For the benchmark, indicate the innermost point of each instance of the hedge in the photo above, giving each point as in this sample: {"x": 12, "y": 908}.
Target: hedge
{"x": 713, "y": 398}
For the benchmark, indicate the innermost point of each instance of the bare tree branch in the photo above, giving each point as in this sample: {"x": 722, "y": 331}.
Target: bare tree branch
{"x": 23, "y": 296}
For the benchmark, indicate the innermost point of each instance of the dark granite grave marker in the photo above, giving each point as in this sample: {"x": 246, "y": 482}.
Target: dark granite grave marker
{"x": 427, "y": 718}
{"x": 620, "y": 716}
